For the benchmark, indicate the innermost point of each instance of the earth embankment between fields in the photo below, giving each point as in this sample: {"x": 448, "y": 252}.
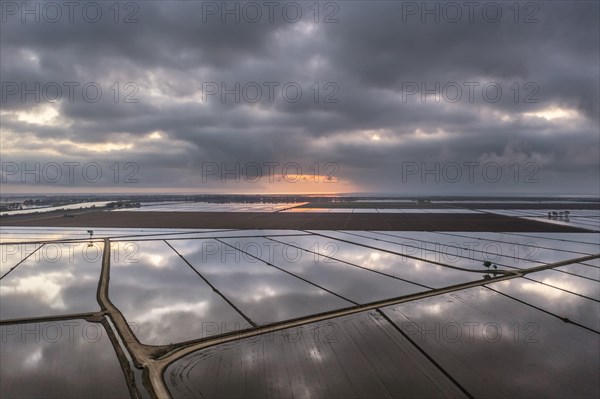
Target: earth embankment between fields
{"x": 296, "y": 221}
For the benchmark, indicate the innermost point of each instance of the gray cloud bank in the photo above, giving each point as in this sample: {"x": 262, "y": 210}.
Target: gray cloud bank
{"x": 397, "y": 101}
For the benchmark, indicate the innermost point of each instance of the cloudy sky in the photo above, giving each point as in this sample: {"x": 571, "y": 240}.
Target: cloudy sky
{"x": 371, "y": 97}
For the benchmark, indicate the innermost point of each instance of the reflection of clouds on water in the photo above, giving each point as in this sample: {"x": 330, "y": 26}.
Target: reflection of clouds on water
{"x": 399, "y": 266}
{"x": 566, "y": 285}
{"x": 12, "y": 254}
{"x": 357, "y": 356}
{"x": 315, "y": 354}
{"x": 59, "y": 359}
{"x": 46, "y": 288}
{"x": 168, "y": 303}
{"x": 155, "y": 260}
{"x": 578, "y": 309}
{"x": 43, "y": 285}
{"x": 357, "y": 284}
{"x": 33, "y": 359}
{"x": 195, "y": 309}
{"x": 433, "y": 309}
{"x": 498, "y": 333}
{"x": 263, "y": 292}
{"x": 568, "y": 282}
{"x": 502, "y": 248}
{"x": 373, "y": 260}
{"x": 12, "y": 236}
{"x": 540, "y": 289}
{"x": 582, "y": 270}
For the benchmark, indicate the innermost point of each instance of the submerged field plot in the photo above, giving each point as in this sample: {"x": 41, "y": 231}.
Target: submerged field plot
{"x": 287, "y": 313}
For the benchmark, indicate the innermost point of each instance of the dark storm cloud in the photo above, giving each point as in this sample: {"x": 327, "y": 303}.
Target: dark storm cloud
{"x": 365, "y": 117}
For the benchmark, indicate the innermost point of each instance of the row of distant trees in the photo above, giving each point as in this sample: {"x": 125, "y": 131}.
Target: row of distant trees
{"x": 13, "y": 206}
{"x": 123, "y": 204}
{"x": 558, "y": 215}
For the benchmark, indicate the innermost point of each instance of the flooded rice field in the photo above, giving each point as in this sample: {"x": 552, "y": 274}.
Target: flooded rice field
{"x": 212, "y": 207}
{"x": 293, "y": 313}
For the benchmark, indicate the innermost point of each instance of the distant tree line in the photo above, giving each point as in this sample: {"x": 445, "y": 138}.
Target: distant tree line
{"x": 122, "y": 204}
